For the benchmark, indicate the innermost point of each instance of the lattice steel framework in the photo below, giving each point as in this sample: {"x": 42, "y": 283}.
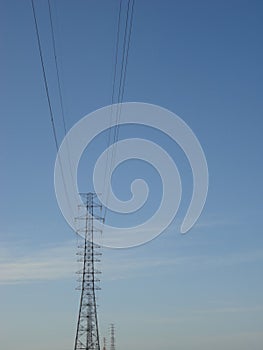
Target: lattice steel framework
{"x": 104, "y": 344}
{"x": 87, "y": 334}
{"x": 112, "y": 337}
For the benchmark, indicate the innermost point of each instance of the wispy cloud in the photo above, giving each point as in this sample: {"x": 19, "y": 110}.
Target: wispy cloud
{"x": 50, "y": 263}
{"x": 126, "y": 267}
{"x": 54, "y": 263}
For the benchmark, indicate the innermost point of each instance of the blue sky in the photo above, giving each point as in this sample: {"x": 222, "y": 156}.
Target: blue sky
{"x": 200, "y": 59}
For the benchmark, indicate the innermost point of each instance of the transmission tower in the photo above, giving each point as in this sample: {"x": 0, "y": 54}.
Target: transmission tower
{"x": 112, "y": 337}
{"x": 87, "y": 334}
{"x": 104, "y": 344}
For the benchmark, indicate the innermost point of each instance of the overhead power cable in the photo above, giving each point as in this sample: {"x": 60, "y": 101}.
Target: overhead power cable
{"x": 49, "y": 101}
{"x": 60, "y": 91}
{"x": 113, "y": 92}
{"x": 127, "y": 51}
{"x": 56, "y": 65}
{"x": 121, "y": 88}
{"x": 125, "y": 54}
{"x": 44, "y": 76}
{"x": 116, "y": 52}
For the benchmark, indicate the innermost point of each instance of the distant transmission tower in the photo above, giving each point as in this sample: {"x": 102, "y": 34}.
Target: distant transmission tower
{"x": 112, "y": 337}
{"x": 104, "y": 344}
{"x": 87, "y": 334}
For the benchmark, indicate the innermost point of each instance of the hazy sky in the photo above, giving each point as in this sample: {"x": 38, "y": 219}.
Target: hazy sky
{"x": 203, "y": 61}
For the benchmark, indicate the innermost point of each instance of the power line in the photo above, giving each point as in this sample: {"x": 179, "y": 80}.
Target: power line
{"x": 44, "y": 76}
{"x": 116, "y": 52}
{"x": 122, "y": 81}
{"x": 56, "y": 65}
{"x": 113, "y": 90}
{"x": 121, "y": 85}
{"x": 126, "y": 47}
{"x": 49, "y": 102}
{"x": 124, "y": 51}
{"x": 60, "y": 89}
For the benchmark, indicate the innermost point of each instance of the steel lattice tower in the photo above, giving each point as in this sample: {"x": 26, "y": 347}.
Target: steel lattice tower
{"x": 112, "y": 337}
{"x": 104, "y": 344}
{"x": 87, "y": 334}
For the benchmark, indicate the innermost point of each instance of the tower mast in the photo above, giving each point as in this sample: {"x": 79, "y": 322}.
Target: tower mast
{"x": 87, "y": 334}
{"x": 112, "y": 337}
{"x": 104, "y": 344}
